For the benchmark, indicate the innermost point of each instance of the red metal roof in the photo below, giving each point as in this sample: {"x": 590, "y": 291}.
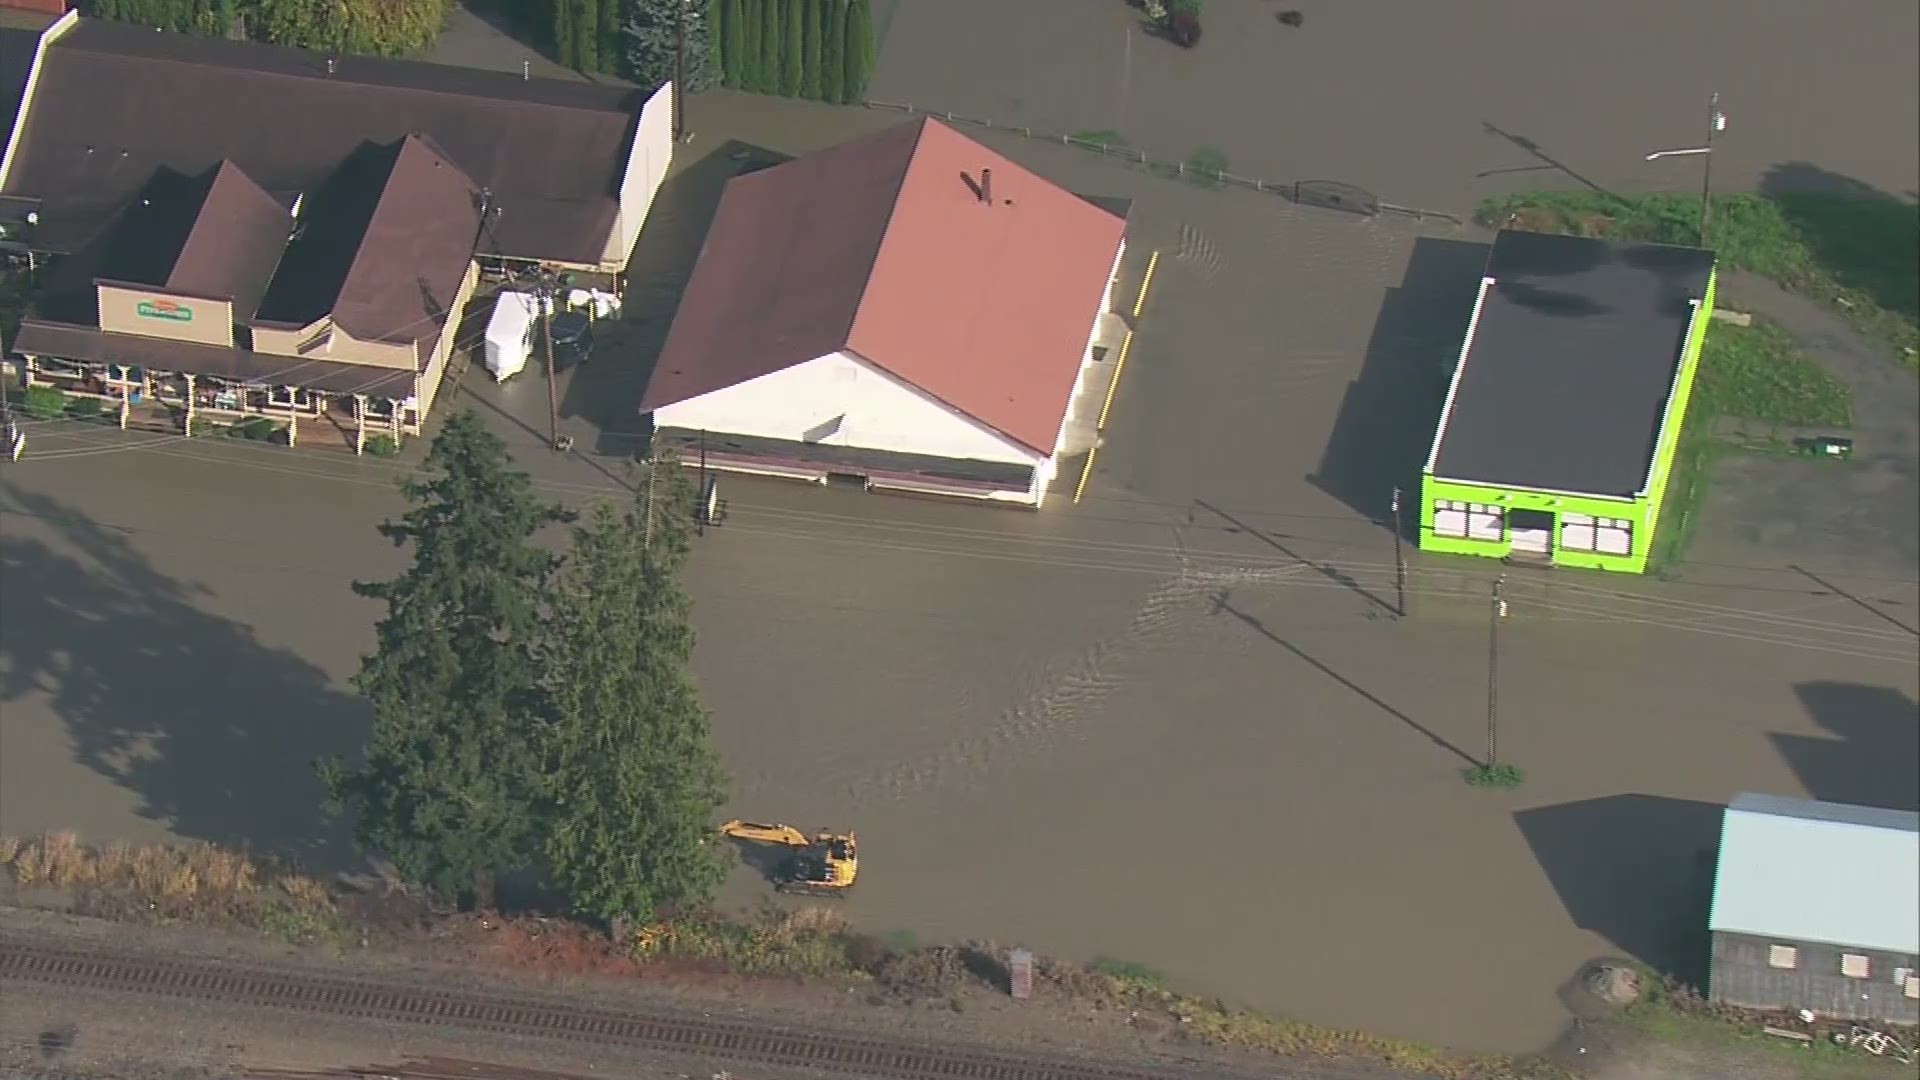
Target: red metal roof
{"x": 884, "y": 246}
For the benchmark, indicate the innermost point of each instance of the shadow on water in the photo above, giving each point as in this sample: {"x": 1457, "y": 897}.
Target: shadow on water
{"x": 1387, "y": 418}
{"x": 606, "y": 393}
{"x": 1635, "y": 869}
{"x": 215, "y": 731}
{"x": 1869, "y": 759}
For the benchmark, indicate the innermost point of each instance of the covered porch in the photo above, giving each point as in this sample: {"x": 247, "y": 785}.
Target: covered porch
{"x": 194, "y": 389}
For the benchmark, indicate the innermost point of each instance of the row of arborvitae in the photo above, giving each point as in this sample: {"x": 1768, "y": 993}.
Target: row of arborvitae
{"x": 822, "y": 50}
{"x": 533, "y": 710}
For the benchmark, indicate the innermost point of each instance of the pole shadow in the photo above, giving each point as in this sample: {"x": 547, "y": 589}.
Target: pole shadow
{"x": 1870, "y": 759}
{"x": 215, "y": 731}
{"x": 1331, "y": 573}
{"x": 1534, "y": 149}
{"x": 1635, "y": 869}
{"x": 1222, "y": 606}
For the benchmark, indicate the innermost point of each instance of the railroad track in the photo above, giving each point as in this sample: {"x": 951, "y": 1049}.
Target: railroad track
{"x": 727, "y": 1042}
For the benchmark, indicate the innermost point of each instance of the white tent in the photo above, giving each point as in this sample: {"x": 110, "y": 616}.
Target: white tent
{"x": 510, "y": 333}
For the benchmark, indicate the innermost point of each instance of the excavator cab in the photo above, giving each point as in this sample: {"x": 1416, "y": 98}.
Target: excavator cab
{"x": 825, "y": 864}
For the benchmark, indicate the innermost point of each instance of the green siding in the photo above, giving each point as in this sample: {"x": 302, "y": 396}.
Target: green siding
{"x": 1643, "y": 511}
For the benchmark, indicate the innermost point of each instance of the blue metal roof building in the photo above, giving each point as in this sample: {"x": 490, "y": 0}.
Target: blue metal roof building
{"x": 1816, "y": 905}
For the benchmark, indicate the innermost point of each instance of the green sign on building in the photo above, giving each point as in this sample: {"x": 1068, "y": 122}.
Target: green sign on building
{"x": 163, "y": 309}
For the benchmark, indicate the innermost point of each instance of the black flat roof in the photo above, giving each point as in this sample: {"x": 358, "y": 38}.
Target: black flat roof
{"x": 1572, "y": 358}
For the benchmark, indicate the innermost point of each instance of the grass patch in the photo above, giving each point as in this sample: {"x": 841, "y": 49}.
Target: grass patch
{"x": 1686, "y": 489}
{"x": 1859, "y": 253}
{"x": 1499, "y": 775}
{"x": 1206, "y": 167}
{"x": 1675, "y": 1014}
{"x": 1758, "y": 373}
{"x": 1131, "y": 972}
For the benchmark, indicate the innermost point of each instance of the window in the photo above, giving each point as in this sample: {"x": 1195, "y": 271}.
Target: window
{"x": 1782, "y": 956}
{"x": 1449, "y": 518}
{"x": 1853, "y": 965}
{"x": 1912, "y": 989}
{"x": 1485, "y": 522}
{"x": 1576, "y": 532}
{"x": 1613, "y": 536}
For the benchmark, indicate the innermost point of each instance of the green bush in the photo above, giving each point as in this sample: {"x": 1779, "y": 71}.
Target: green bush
{"x": 44, "y": 402}
{"x": 1498, "y": 775}
{"x": 383, "y": 446}
{"x": 86, "y": 408}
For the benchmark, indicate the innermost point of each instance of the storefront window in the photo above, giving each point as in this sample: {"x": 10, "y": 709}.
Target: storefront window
{"x": 1613, "y": 536}
{"x": 1576, "y": 532}
{"x": 1450, "y": 519}
{"x": 1486, "y": 522}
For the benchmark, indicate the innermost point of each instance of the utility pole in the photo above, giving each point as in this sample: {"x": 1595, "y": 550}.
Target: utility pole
{"x": 701, "y": 520}
{"x": 680, "y": 72}
{"x": 1714, "y": 123}
{"x": 1496, "y": 614}
{"x": 545, "y": 294}
{"x": 653, "y": 473}
{"x": 1399, "y": 559}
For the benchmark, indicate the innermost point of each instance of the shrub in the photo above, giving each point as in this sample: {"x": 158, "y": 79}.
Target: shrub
{"x": 45, "y": 402}
{"x": 383, "y": 446}
{"x": 86, "y": 408}
{"x": 254, "y": 429}
{"x": 1183, "y": 27}
{"x": 1498, "y": 775}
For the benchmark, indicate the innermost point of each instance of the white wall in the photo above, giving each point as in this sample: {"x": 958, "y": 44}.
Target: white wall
{"x": 647, "y": 162}
{"x": 875, "y": 411}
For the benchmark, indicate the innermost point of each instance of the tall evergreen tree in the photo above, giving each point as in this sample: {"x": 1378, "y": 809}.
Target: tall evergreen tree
{"x": 751, "y": 18}
{"x": 810, "y": 50}
{"x": 734, "y": 45}
{"x": 859, "y": 51}
{"x": 609, "y": 39}
{"x": 452, "y": 777}
{"x": 565, "y": 37}
{"x": 654, "y": 43}
{"x": 586, "y": 31}
{"x": 792, "y": 46}
{"x": 833, "y": 49}
{"x": 716, "y": 63}
{"x": 636, "y": 782}
{"x": 770, "y": 42}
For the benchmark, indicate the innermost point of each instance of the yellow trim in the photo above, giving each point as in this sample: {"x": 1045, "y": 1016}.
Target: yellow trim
{"x": 1113, "y": 384}
{"x": 1140, "y": 302}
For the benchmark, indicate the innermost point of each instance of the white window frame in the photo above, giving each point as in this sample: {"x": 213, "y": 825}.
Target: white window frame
{"x": 1855, "y": 966}
{"x": 1446, "y": 514}
{"x": 1486, "y": 522}
{"x": 1606, "y": 528}
{"x": 1783, "y": 957}
{"x": 1576, "y": 532}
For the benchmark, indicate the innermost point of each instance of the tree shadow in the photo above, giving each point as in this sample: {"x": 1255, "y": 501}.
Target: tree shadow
{"x": 215, "y": 731}
{"x": 1387, "y": 418}
{"x": 1870, "y": 759}
{"x": 1865, "y": 238}
{"x": 607, "y": 392}
{"x": 1635, "y": 869}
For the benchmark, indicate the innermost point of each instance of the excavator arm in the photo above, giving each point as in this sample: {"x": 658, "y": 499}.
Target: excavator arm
{"x": 765, "y": 834}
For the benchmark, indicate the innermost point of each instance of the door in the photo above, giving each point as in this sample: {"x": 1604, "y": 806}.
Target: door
{"x": 1531, "y": 531}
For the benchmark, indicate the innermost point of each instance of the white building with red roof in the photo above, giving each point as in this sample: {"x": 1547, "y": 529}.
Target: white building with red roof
{"x": 908, "y": 309}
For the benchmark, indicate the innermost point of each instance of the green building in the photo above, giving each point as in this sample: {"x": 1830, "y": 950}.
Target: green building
{"x": 1564, "y": 411}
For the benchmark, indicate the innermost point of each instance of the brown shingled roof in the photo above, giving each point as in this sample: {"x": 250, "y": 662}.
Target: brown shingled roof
{"x": 382, "y": 246}
{"x": 883, "y": 246}
{"x": 115, "y": 102}
{"x": 214, "y": 235}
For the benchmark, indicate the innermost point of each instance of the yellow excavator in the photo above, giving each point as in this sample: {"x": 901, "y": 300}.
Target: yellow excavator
{"x": 824, "y": 864}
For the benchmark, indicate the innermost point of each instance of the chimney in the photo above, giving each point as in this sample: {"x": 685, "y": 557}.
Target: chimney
{"x": 986, "y": 186}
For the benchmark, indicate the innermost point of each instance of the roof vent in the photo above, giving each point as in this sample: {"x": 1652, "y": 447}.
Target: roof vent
{"x": 986, "y": 186}
{"x": 329, "y": 67}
